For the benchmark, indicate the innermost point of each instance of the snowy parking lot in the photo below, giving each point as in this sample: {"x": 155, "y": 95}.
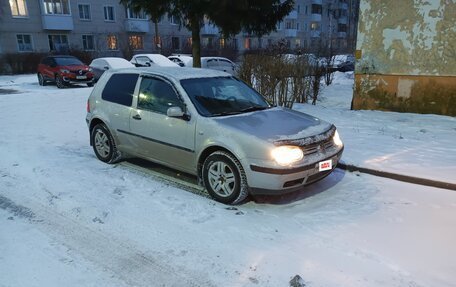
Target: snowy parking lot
{"x": 67, "y": 219}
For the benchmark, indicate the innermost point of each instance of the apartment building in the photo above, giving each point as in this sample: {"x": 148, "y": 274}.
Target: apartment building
{"x": 108, "y": 28}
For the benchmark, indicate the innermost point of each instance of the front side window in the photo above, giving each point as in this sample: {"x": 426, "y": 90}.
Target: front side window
{"x": 61, "y": 7}
{"x": 58, "y": 43}
{"x": 109, "y": 13}
{"x": 84, "y": 11}
{"x": 120, "y": 88}
{"x": 18, "y": 8}
{"x": 220, "y": 96}
{"x": 136, "y": 42}
{"x": 112, "y": 42}
{"x": 24, "y": 43}
{"x": 88, "y": 42}
{"x": 157, "y": 96}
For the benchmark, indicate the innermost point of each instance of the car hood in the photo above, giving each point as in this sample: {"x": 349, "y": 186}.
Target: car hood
{"x": 276, "y": 124}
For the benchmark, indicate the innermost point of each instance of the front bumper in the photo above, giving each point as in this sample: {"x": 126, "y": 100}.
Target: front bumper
{"x": 69, "y": 80}
{"x": 269, "y": 181}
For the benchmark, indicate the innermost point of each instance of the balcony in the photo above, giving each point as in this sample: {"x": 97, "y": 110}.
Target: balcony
{"x": 292, "y": 16}
{"x": 317, "y": 2}
{"x": 315, "y": 17}
{"x": 290, "y": 33}
{"x": 137, "y": 25}
{"x": 341, "y": 34}
{"x": 209, "y": 30}
{"x": 57, "y": 22}
{"x": 342, "y": 20}
{"x": 315, "y": 34}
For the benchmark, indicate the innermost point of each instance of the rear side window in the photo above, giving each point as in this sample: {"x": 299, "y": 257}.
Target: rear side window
{"x": 120, "y": 88}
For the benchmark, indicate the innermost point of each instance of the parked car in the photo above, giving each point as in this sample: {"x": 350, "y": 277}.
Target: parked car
{"x": 148, "y": 60}
{"x": 212, "y": 125}
{"x": 214, "y": 63}
{"x": 347, "y": 65}
{"x": 64, "y": 70}
{"x": 182, "y": 60}
{"x": 100, "y": 65}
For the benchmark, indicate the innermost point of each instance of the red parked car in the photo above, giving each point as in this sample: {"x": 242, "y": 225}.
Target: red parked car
{"x": 64, "y": 70}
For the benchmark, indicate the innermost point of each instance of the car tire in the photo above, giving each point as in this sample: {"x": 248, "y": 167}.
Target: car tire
{"x": 41, "y": 80}
{"x": 59, "y": 82}
{"x": 103, "y": 144}
{"x": 224, "y": 178}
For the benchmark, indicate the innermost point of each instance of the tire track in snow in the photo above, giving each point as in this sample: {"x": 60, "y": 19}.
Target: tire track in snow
{"x": 125, "y": 261}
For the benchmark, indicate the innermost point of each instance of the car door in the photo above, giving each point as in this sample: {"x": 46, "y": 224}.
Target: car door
{"x": 164, "y": 139}
{"x": 48, "y": 65}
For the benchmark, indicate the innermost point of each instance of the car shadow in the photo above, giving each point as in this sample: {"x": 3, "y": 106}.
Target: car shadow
{"x": 307, "y": 191}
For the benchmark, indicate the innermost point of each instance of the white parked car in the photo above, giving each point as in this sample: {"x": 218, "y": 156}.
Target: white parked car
{"x": 148, "y": 60}
{"x": 214, "y": 63}
{"x": 100, "y": 65}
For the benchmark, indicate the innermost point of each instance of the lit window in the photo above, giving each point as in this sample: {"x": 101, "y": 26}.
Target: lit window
{"x": 84, "y": 12}
{"x": 58, "y": 43}
{"x": 112, "y": 42}
{"x": 87, "y": 42}
{"x": 136, "y": 42}
{"x": 314, "y": 26}
{"x": 18, "y": 8}
{"x": 222, "y": 42}
{"x": 24, "y": 43}
{"x": 56, "y": 7}
{"x": 247, "y": 43}
{"x": 109, "y": 13}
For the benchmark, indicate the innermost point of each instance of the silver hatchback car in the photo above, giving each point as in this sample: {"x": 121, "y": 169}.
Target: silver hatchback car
{"x": 212, "y": 125}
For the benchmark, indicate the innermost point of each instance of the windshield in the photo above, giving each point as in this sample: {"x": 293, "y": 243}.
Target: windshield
{"x": 68, "y": 61}
{"x": 223, "y": 96}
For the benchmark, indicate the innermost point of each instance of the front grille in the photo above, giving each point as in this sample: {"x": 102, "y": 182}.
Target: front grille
{"x": 79, "y": 72}
{"x": 318, "y": 147}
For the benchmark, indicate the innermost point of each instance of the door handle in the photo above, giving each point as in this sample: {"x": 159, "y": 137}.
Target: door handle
{"x": 137, "y": 117}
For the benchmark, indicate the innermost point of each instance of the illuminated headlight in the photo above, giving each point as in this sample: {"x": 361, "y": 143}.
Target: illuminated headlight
{"x": 286, "y": 155}
{"x": 65, "y": 71}
{"x": 337, "y": 140}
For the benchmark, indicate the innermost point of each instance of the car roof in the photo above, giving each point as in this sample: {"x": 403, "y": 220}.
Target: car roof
{"x": 176, "y": 73}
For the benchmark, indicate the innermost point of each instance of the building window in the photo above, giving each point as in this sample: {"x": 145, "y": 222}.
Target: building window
{"x": 298, "y": 43}
{"x": 112, "y": 42}
{"x": 84, "y": 11}
{"x": 297, "y": 26}
{"x": 136, "y": 42}
{"x": 24, "y": 43}
{"x": 316, "y": 9}
{"x": 342, "y": 28}
{"x": 247, "y": 43}
{"x": 314, "y": 26}
{"x": 289, "y": 25}
{"x": 136, "y": 15}
{"x": 109, "y": 13}
{"x": 56, "y": 7}
{"x": 58, "y": 43}
{"x": 222, "y": 43}
{"x": 174, "y": 20}
{"x": 175, "y": 43}
{"x": 18, "y": 8}
{"x": 88, "y": 42}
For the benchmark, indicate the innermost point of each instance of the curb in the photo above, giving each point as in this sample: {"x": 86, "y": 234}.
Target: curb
{"x": 399, "y": 177}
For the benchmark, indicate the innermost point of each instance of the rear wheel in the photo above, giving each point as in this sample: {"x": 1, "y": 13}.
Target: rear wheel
{"x": 103, "y": 144}
{"x": 224, "y": 178}
{"x": 41, "y": 80}
{"x": 59, "y": 82}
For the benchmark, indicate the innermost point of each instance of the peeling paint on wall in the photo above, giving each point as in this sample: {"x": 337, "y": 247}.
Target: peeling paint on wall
{"x": 415, "y": 37}
{"x": 407, "y": 57}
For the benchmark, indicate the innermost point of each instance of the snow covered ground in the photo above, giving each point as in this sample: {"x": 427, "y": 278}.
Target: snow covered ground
{"x": 67, "y": 219}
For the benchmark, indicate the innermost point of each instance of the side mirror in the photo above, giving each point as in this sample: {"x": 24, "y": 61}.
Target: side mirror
{"x": 106, "y": 68}
{"x": 176, "y": 112}
{"x": 147, "y": 64}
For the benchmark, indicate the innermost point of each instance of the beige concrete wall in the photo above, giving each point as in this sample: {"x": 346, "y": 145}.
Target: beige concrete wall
{"x": 403, "y": 45}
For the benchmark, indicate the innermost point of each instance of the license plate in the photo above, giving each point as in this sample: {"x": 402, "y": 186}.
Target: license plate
{"x": 81, "y": 77}
{"x": 325, "y": 165}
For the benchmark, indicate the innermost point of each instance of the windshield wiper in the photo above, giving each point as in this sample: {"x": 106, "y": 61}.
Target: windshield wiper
{"x": 226, "y": 113}
{"x": 253, "y": 108}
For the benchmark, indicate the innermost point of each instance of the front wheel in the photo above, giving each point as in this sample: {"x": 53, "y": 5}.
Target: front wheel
{"x": 103, "y": 144}
{"x": 224, "y": 178}
{"x": 41, "y": 80}
{"x": 59, "y": 82}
